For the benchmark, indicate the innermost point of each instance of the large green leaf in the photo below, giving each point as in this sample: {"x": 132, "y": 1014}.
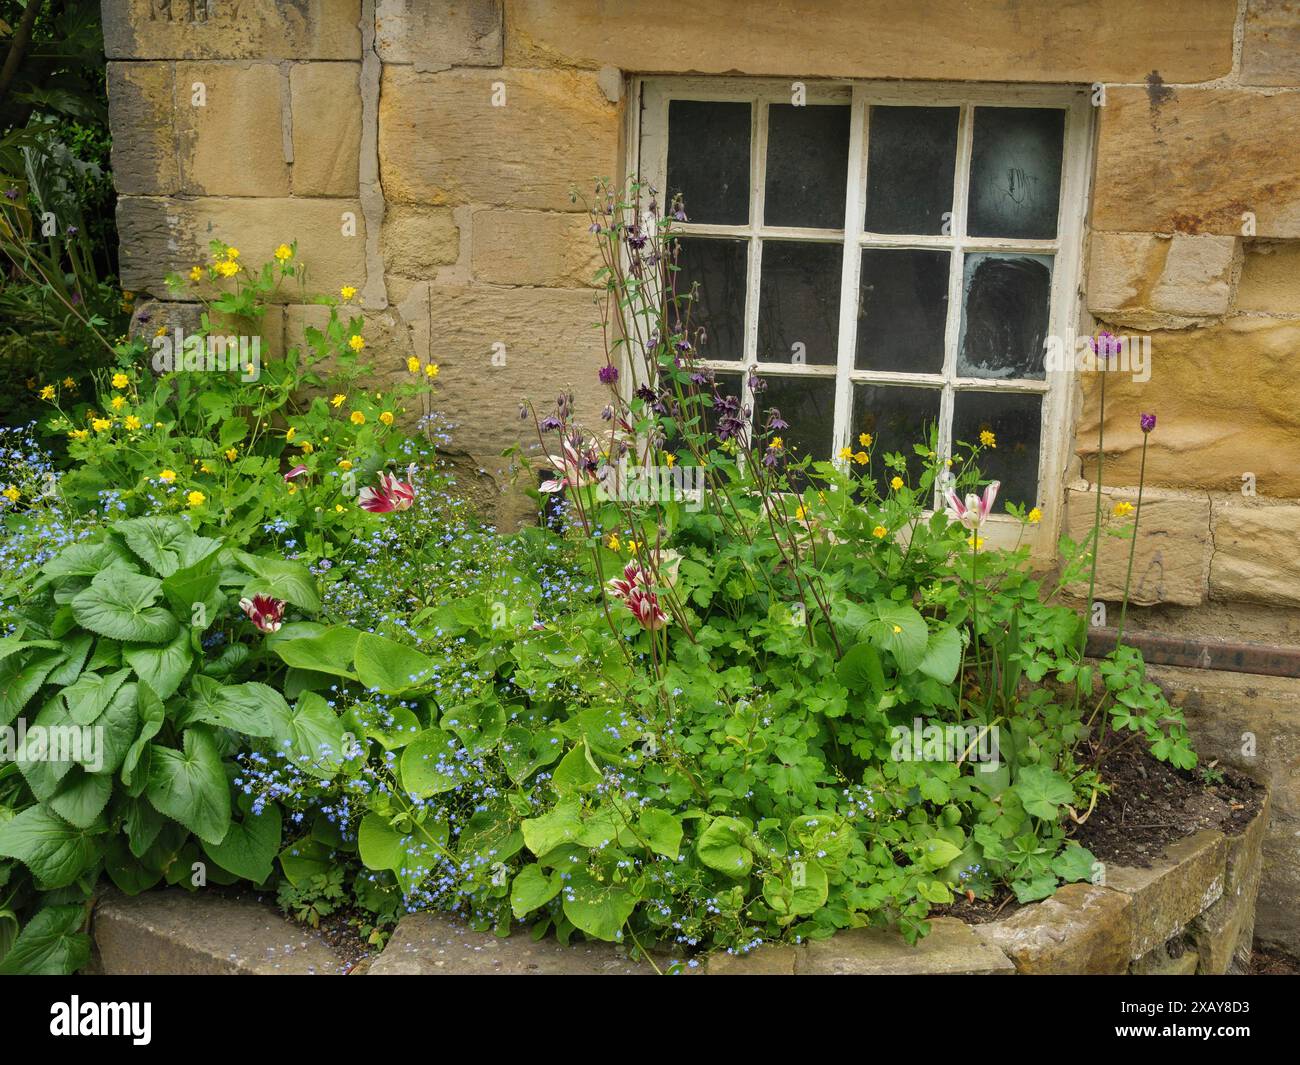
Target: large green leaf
{"x": 942, "y": 656}
{"x": 723, "y": 846}
{"x": 152, "y": 714}
{"x": 253, "y": 709}
{"x": 563, "y": 824}
{"x": 56, "y": 852}
{"x": 389, "y": 666}
{"x": 164, "y": 543}
{"x": 533, "y": 887}
{"x": 312, "y": 734}
{"x": 860, "y": 670}
{"x": 291, "y": 581}
{"x": 81, "y": 797}
{"x": 190, "y": 786}
{"x": 599, "y": 908}
{"x": 162, "y": 668}
{"x": 198, "y": 583}
{"x": 429, "y": 764}
{"x": 52, "y": 944}
{"x": 86, "y": 559}
{"x": 249, "y": 847}
{"x": 87, "y": 698}
{"x": 662, "y": 831}
{"x": 577, "y": 772}
{"x": 21, "y": 677}
{"x": 799, "y": 889}
{"x": 899, "y": 629}
{"x": 1042, "y": 791}
{"x": 319, "y": 648}
{"x": 118, "y": 604}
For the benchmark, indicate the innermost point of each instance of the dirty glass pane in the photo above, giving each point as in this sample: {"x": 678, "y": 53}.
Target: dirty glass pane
{"x": 911, "y": 159}
{"x": 1015, "y": 172}
{"x": 799, "y": 302}
{"x": 897, "y": 418}
{"x": 1004, "y": 316}
{"x": 1016, "y": 423}
{"x": 807, "y": 165}
{"x": 708, "y": 159}
{"x": 719, "y": 268}
{"x": 808, "y": 405}
{"x": 902, "y": 305}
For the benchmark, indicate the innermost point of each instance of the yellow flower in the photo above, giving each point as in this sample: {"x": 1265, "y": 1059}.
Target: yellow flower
{"x": 232, "y": 254}
{"x": 861, "y": 458}
{"x": 799, "y": 513}
{"x": 120, "y": 380}
{"x": 132, "y": 422}
{"x": 1123, "y": 509}
{"x": 613, "y": 542}
{"x": 898, "y": 629}
{"x": 988, "y": 439}
{"x": 11, "y": 493}
{"x": 307, "y": 447}
{"x": 344, "y": 464}
{"x": 284, "y": 252}
{"x": 412, "y": 365}
{"x": 338, "y": 399}
{"x": 1034, "y": 516}
{"x": 167, "y": 475}
{"x": 117, "y": 402}
{"x": 68, "y": 382}
{"x": 431, "y": 370}
{"x": 101, "y": 425}
{"x": 357, "y": 418}
{"x": 196, "y": 499}
{"x": 289, "y": 433}
{"x": 293, "y": 488}
{"x": 846, "y": 453}
{"x": 228, "y": 268}
{"x": 338, "y": 508}
{"x": 196, "y": 273}
{"x": 231, "y": 454}
{"x": 347, "y": 292}
{"x": 864, "y": 439}
{"x": 975, "y": 543}
{"x": 632, "y": 545}
{"x": 896, "y": 483}
{"x": 356, "y": 342}
{"x": 670, "y": 459}
{"x": 386, "y": 417}
{"x": 205, "y": 468}
{"x": 879, "y": 532}
{"x": 79, "y": 434}
{"x": 47, "y": 392}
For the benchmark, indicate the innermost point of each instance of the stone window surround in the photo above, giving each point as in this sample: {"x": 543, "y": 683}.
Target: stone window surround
{"x": 646, "y": 140}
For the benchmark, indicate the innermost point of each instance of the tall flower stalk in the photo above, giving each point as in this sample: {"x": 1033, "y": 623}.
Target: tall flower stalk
{"x": 1147, "y": 422}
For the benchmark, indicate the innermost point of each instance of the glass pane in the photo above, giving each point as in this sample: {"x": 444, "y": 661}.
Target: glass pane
{"x": 1015, "y": 172}
{"x": 808, "y": 405}
{"x": 799, "y": 302}
{"x": 728, "y": 384}
{"x": 902, "y": 306}
{"x": 1004, "y": 319}
{"x": 708, "y": 159}
{"x": 718, "y": 266}
{"x": 807, "y": 166}
{"x": 896, "y": 418}
{"x": 911, "y": 159}
{"x": 1015, "y": 420}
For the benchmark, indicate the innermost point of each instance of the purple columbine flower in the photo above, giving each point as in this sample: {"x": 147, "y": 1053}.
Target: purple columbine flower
{"x": 1148, "y": 422}
{"x": 608, "y": 375}
{"x": 11, "y": 193}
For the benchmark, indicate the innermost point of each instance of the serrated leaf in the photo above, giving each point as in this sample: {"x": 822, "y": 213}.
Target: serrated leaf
{"x": 56, "y": 852}
{"x": 118, "y": 604}
{"x": 162, "y": 668}
{"x": 291, "y": 581}
{"x": 52, "y": 944}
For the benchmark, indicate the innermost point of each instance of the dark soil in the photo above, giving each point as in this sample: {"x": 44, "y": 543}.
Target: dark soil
{"x": 1265, "y": 961}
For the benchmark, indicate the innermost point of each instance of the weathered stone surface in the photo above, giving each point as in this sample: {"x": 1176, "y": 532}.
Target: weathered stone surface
{"x": 161, "y": 235}
{"x": 416, "y": 240}
{"x": 534, "y": 248}
{"x": 1252, "y": 724}
{"x": 951, "y": 949}
{"x": 233, "y": 143}
{"x": 439, "y": 34}
{"x": 547, "y": 344}
{"x": 1270, "y": 50}
{"x": 1224, "y": 934}
{"x": 1225, "y": 399}
{"x": 1148, "y": 282}
{"x": 1160, "y": 962}
{"x": 775, "y": 959}
{"x": 326, "y": 128}
{"x": 144, "y": 141}
{"x": 1270, "y": 278}
{"x": 1255, "y": 553}
{"x": 175, "y": 933}
{"x": 1173, "y": 545}
{"x": 1104, "y": 40}
{"x": 434, "y": 944}
{"x": 441, "y": 141}
{"x": 1195, "y": 160}
{"x": 231, "y": 29}
{"x": 1081, "y": 929}
{"x": 1187, "y": 881}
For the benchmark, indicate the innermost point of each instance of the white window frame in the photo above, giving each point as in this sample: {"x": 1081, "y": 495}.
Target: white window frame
{"x": 647, "y": 143}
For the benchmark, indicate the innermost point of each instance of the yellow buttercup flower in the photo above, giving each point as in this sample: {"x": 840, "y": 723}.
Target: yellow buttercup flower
{"x": 799, "y": 513}
{"x": 898, "y": 629}
{"x": 117, "y": 402}
{"x": 347, "y": 292}
{"x": 974, "y": 543}
{"x": 879, "y": 532}
{"x": 228, "y": 268}
{"x": 613, "y": 542}
{"x": 338, "y": 508}
{"x": 357, "y": 418}
{"x": 344, "y": 464}
{"x": 284, "y": 252}
{"x": 196, "y": 273}
{"x": 101, "y": 425}
{"x": 205, "y": 468}
{"x": 79, "y": 434}
{"x": 167, "y": 475}
{"x": 861, "y": 458}
{"x": 68, "y": 382}
{"x": 47, "y": 392}
{"x": 132, "y": 422}
{"x": 387, "y": 417}
{"x": 1122, "y": 510}
{"x": 1034, "y": 516}
{"x": 307, "y": 447}
{"x": 293, "y": 488}
{"x": 196, "y": 499}
{"x": 896, "y": 483}
{"x": 412, "y": 365}
{"x": 120, "y": 380}
{"x": 289, "y": 434}
{"x": 356, "y": 342}
{"x": 431, "y": 370}
{"x": 231, "y": 454}
{"x": 232, "y": 253}
{"x": 864, "y": 439}
{"x": 12, "y": 494}
{"x": 988, "y": 439}
{"x": 670, "y": 459}
{"x": 338, "y": 399}
{"x": 846, "y": 453}
{"x": 632, "y": 545}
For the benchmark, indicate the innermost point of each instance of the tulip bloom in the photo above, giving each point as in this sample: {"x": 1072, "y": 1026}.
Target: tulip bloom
{"x": 392, "y": 494}
{"x": 633, "y": 588}
{"x": 297, "y": 471}
{"x": 575, "y": 468}
{"x": 264, "y": 612}
{"x": 975, "y": 510}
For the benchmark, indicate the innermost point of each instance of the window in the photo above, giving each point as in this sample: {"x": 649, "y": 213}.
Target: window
{"x": 883, "y": 257}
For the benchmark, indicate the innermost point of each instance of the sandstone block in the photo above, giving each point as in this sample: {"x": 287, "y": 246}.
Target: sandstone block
{"x": 1270, "y": 50}
{"x": 1270, "y": 278}
{"x": 1186, "y": 882}
{"x": 1255, "y": 557}
{"x": 1149, "y": 282}
{"x": 534, "y": 248}
{"x": 951, "y": 949}
{"x": 443, "y": 142}
{"x": 1196, "y": 160}
{"x": 439, "y": 34}
{"x": 1081, "y": 929}
{"x": 416, "y": 240}
{"x": 144, "y": 140}
{"x": 326, "y": 99}
{"x": 230, "y": 129}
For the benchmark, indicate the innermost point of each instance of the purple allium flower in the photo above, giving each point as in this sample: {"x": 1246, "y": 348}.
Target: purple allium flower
{"x": 1104, "y": 345}
{"x": 608, "y": 375}
{"x": 72, "y": 231}
{"x": 11, "y": 193}
{"x": 1148, "y": 422}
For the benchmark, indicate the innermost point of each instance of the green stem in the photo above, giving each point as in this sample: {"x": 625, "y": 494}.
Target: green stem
{"x": 1096, "y": 536}
{"x": 1132, "y": 547}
